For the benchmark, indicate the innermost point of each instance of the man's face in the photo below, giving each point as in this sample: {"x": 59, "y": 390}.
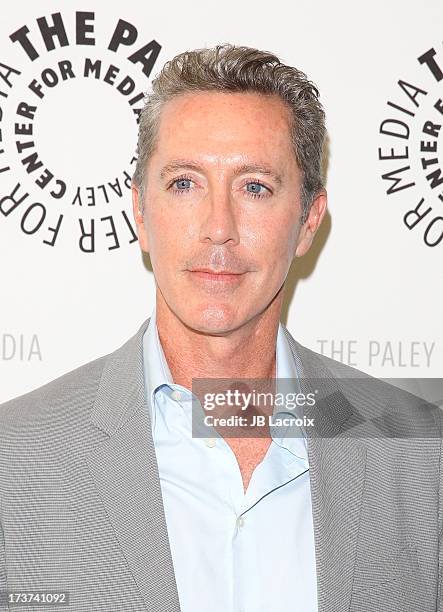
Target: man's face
{"x": 222, "y": 207}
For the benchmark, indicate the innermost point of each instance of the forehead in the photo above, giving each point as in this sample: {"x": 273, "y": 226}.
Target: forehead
{"x": 226, "y": 124}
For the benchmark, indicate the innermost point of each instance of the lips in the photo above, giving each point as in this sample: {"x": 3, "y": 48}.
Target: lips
{"x": 209, "y": 271}
{"x": 216, "y": 275}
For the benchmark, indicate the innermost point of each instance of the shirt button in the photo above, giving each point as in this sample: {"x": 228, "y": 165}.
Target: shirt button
{"x": 176, "y": 395}
{"x": 240, "y": 522}
{"x": 210, "y": 442}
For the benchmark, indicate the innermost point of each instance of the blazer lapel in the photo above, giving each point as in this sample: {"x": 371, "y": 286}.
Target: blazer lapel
{"x": 124, "y": 469}
{"x": 337, "y": 469}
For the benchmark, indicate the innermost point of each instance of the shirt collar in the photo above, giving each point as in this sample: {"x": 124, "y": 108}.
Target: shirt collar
{"x": 158, "y": 374}
{"x": 156, "y": 369}
{"x": 285, "y": 366}
{"x": 288, "y": 381}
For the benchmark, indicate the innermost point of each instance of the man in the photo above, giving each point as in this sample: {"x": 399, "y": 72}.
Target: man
{"x": 104, "y": 490}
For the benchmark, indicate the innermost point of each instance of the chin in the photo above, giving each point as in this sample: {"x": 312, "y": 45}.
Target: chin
{"x": 215, "y": 319}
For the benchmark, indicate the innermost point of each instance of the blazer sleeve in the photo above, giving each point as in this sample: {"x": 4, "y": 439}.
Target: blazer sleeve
{"x": 440, "y": 536}
{"x": 3, "y": 605}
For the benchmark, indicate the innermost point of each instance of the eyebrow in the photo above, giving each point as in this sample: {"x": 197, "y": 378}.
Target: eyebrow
{"x": 187, "y": 164}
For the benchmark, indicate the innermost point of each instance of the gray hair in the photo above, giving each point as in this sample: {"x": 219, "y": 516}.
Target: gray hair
{"x": 231, "y": 68}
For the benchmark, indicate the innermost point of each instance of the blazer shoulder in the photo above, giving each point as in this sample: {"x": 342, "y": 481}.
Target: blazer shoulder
{"x": 383, "y": 393}
{"x": 72, "y": 390}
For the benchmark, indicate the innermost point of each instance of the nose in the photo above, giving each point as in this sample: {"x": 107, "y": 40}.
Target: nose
{"x": 219, "y": 223}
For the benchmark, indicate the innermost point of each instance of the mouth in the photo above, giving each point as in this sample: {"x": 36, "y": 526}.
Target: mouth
{"x": 223, "y": 276}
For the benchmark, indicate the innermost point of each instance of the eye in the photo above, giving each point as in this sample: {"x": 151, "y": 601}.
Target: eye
{"x": 182, "y": 184}
{"x": 256, "y": 189}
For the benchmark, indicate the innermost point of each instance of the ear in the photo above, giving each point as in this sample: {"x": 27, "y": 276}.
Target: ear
{"x": 139, "y": 218}
{"x": 312, "y": 223}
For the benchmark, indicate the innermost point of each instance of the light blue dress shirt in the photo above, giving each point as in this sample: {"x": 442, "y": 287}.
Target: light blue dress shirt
{"x": 232, "y": 551}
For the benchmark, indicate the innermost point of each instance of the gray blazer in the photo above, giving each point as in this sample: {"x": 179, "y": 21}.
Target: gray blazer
{"x": 81, "y": 507}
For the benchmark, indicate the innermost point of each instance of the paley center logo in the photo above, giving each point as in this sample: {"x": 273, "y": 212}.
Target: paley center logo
{"x": 410, "y": 146}
{"x": 71, "y": 90}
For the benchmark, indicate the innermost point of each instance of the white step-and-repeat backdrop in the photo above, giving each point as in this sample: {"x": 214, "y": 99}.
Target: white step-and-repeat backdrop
{"x": 74, "y": 285}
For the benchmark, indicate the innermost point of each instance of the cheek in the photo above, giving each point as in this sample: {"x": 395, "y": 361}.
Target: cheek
{"x": 169, "y": 235}
{"x": 160, "y": 231}
{"x": 177, "y": 211}
{"x": 273, "y": 242}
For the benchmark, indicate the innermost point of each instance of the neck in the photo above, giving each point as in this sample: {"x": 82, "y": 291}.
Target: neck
{"x": 246, "y": 352}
